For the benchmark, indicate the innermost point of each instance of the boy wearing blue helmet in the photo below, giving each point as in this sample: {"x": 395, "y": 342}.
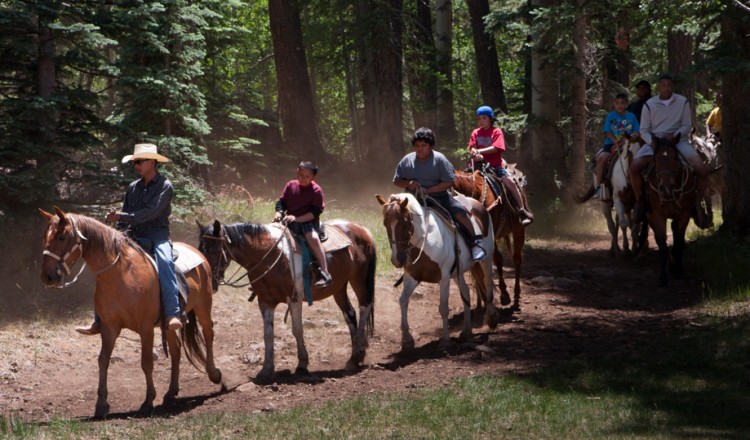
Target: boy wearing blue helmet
{"x": 488, "y": 143}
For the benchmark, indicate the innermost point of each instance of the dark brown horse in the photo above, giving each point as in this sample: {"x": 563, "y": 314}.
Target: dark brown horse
{"x": 127, "y": 296}
{"x": 671, "y": 191}
{"x": 276, "y": 275}
{"x": 505, "y": 220}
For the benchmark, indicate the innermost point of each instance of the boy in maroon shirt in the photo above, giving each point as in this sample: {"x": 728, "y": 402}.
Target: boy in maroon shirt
{"x": 302, "y": 199}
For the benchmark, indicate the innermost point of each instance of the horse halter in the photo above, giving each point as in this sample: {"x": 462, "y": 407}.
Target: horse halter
{"x": 409, "y": 219}
{"x": 62, "y": 263}
{"x": 225, "y": 242}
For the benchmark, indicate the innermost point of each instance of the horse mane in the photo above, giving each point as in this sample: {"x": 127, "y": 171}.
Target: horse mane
{"x": 412, "y": 206}
{"x": 236, "y": 232}
{"x": 102, "y": 240}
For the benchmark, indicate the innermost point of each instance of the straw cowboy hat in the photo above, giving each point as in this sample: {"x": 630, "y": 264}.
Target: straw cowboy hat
{"x": 145, "y": 151}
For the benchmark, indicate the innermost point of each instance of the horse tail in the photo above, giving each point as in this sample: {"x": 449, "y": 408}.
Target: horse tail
{"x": 370, "y": 287}
{"x": 193, "y": 342}
{"x": 585, "y": 197}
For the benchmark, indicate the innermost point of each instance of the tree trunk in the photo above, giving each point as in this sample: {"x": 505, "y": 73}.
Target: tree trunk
{"x": 382, "y": 76}
{"x": 735, "y": 125}
{"x": 421, "y": 67}
{"x": 680, "y": 59}
{"x": 445, "y": 132}
{"x": 297, "y": 111}
{"x": 488, "y": 69}
{"x": 546, "y": 140}
{"x": 578, "y": 97}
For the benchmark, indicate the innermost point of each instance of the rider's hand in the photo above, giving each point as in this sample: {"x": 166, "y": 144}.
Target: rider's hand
{"x": 113, "y": 216}
{"x": 277, "y": 217}
{"x": 289, "y": 219}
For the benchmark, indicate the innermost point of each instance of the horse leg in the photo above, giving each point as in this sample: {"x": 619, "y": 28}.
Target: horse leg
{"x": 203, "y": 315}
{"x": 295, "y": 310}
{"x": 175, "y": 349}
{"x": 463, "y": 288}
{"x": 342, "y": 300}
{"x": 678, "y": 246}
{"x": 519, "y": 238}
{"x": 407, "y": 340}
{"x": 266, "y": 373}
{"x": 445, "y": 340}
{"x": 660, "y": 235}
{"x": 497, "y": 258}
{"x": 491, "y": 312}
{"x": 622, "y": 222}
{"x": 147, "y": 365}
{"x": 109, "y": 336}
{"x": 614, "y": 247}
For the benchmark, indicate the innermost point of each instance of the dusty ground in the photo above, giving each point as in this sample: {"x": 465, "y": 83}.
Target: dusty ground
{"x": 576, "y": 302}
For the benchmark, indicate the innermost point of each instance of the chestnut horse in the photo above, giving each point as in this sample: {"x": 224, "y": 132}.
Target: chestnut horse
{"x": 430, "y": 250}
{"x": 276, "y": 274}
{"x": 127, "y": 296}
{"x": 671, "y": 192}
{"x": 505, "y": 221}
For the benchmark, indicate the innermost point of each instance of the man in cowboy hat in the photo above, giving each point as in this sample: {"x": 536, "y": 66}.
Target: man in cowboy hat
{"x": 145, "y": 212}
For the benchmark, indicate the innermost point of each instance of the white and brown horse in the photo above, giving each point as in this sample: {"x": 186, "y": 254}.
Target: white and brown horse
{"x": 276, "y": 274}
{"x": 127, "y": 296}
{"x": 429, "y": 250}
{"x": 622, "y": 201}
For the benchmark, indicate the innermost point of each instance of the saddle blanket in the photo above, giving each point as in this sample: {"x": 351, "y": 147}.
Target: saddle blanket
{"x": 337, "y": 239}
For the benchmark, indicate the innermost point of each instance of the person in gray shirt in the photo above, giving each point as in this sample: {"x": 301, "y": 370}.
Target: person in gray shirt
{"x": 431, "y": 173}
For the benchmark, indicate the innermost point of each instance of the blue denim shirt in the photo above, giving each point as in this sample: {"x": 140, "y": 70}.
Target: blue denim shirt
{"x": 147, "y": 208}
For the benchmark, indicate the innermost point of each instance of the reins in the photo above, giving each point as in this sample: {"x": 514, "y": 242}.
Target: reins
{"x": 225, "y": 242}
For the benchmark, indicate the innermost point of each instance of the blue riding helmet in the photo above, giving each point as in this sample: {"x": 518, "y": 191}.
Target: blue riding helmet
{"x": 485, "y": 110}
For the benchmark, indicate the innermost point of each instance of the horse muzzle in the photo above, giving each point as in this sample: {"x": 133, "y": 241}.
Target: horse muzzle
{"x": 52, "y": 277}
{"x": 398, "y": 259}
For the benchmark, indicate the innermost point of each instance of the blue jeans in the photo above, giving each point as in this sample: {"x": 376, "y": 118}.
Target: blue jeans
{"x": 162, "y": 251}
{"x": 158, "y": 245}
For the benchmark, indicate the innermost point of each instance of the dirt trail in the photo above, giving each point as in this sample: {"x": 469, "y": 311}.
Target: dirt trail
{"x": 576, "y": 302}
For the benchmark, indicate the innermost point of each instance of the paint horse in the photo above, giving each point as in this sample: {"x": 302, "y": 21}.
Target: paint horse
{"x": 505, "y": 221}
{"x": 276, "y": 276}
{"x": 430, "y": 250}
{"x": 127, "y": 296}
{"x": 671, "y": 191}
{"x": 622, "y": 201}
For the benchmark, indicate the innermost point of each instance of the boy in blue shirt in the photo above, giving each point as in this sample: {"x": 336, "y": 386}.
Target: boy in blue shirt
{"x": 617, "y": 123}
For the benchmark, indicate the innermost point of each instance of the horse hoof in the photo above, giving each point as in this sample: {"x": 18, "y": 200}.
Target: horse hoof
{"x": 465, "y": 336}
{"x": 215, "y": 376}
{"x": 301, "y": 371}
{"x": 504, "y": 298}
{"x": 147, "y": 408}
{"x": 264, "y": 378}
{"x": 492, "y": 320}
{"x": 101, "y": 411}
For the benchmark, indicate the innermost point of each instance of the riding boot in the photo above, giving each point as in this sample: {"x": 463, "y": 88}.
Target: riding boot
{"x": 516, "y": 201}
{"x": 324, "y": 281}
{"x": 701, "y": 218}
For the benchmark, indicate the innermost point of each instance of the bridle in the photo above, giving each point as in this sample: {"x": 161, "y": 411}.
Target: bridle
{"x": 226, "y": 250}
{"x": 679, "y": 187}
{"x": 62, "y": 261}
{"x": 410, "y": 233}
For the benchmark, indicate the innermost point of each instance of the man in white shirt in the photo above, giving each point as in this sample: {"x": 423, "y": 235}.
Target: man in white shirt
{"x": 667, "y": 115}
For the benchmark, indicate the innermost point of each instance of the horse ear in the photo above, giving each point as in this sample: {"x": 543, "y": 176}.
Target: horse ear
{"x": 200, "y": 226}
{"x": 60, "y": 214}
{"x": 217, "y": 227}
{"x": 404, "y": 203}
{"x": 46, "y": 214}
{"x": 380, "y": 198}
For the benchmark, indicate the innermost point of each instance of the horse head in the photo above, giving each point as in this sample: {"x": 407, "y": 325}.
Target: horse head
{"x": 399, "y": 224}
{"x": 214, "y": 245}
{"x": 666, "y": 164}
{"x": 63, "y": 246}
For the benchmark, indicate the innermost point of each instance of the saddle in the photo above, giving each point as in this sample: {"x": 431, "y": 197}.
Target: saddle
{"x": 185, "y": 260}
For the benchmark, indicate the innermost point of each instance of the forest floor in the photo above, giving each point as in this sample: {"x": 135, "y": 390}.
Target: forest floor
{"x": 576, "y": 303}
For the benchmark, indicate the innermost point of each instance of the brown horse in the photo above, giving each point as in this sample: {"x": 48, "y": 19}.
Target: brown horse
{"x": 127, "y": 296}
{"x": 276, "y": 275}
{"x": 505, "y": 221}
{"x": 671, "y": 192}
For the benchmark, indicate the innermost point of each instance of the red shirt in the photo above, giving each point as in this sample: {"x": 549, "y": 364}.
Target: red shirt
{"x": 299, "y": 200}
{"x": 481, "y": 138}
